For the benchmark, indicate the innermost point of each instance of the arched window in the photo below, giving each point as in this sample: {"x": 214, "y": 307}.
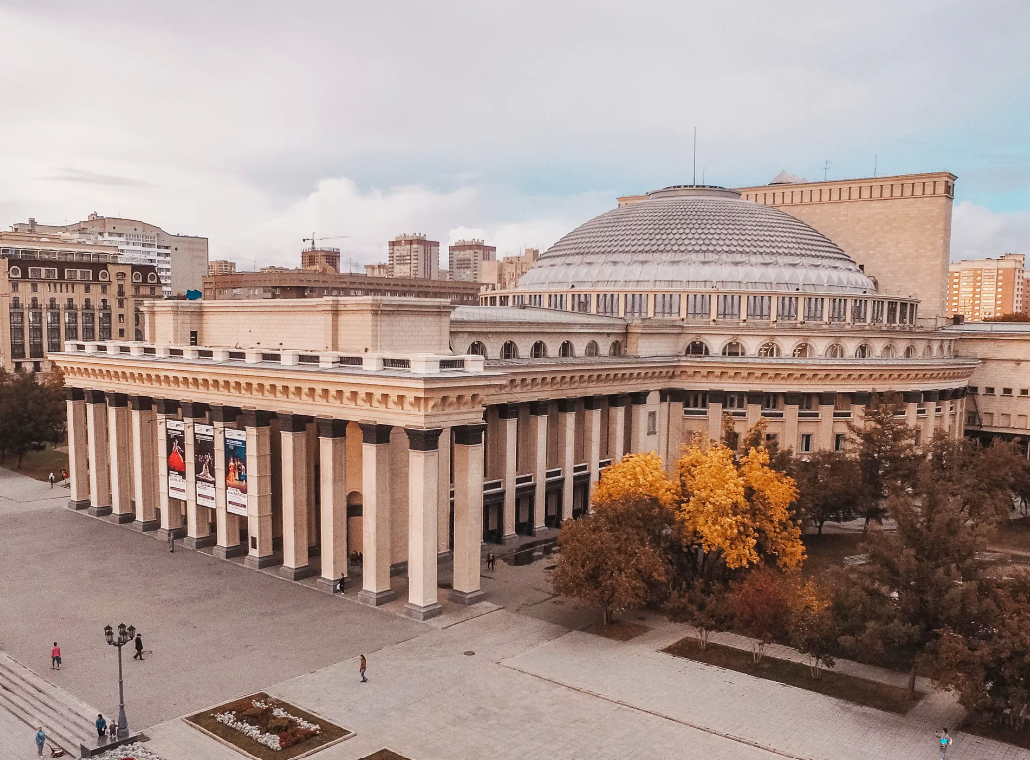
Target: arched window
{"x": 888, "y": 352}
{"x": 803, "y": 351}
{"x": 769, "y": 350}
{"x": 928, "y": 352}
{"x": 53, "y": 303}
{"x": 509, "y": 350}
{"x": 15, "y": 271}
{"x": 566, "y": 350}
{"x": 938, "y": 353}
{"x": 697, "y": 348}
{"x": 539, "y": 350}
{"x": 152, "y": 277}
{"x": 137, "y": 277}
{"x": 733, "y": 348}
{"x": 835, "y": 351}
{"x": 863, "y": 351}
{"x": 477, "y": 348}
{"x": 615, "y": 349}
{"x": 591, "y": 349}
{"x": 910, "y": 352}
{"x": 35, "y": 303}
{"x": 104, "y": 275}
{"x": 87, "y": 304}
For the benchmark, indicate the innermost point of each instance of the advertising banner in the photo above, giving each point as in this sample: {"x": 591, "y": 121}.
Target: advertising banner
{"x": 204, "y": 462}
{"x": 236, "y": 471}
{"x": 176, "y": 437}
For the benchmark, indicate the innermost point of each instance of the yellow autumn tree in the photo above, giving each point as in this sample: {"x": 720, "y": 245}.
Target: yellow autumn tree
{"x": 637, "y": 475}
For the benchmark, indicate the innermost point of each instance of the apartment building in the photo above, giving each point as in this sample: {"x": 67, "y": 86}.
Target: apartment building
{"x": 414, "y": 256}
{"x": 504, "y": 274}
{"x": 466, "y": 258}
{"x": 980, "y": 289}
{"x": 221, "y": 266}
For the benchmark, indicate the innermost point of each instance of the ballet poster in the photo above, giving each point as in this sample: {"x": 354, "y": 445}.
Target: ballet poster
{"x": 236, "y": 471}
{"x": 204, "y": 461}
{"x": 176, "y": 437}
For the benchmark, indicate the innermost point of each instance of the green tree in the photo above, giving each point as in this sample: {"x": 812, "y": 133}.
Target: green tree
{"x": 985, "y": 479}
{"x": 32, "y": 413}
{"x": 886, "y": 454}
{"x": 826, "y": 487}
{"x": 811, "y": 626}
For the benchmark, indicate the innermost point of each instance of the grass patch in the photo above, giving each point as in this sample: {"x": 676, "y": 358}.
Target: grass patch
{"x": 828, "y": 551}
{"x": 619, "y": 630}
{"x": 329, "y": 733}
{"x": 860, "y": 691}
{"x": 39, "y": 464}
{"x": 1013, "y": 534}
{"x": 999, "y": 732}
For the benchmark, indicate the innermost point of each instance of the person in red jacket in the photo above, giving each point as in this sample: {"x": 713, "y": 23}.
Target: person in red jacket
{"x": 55, "y": 657}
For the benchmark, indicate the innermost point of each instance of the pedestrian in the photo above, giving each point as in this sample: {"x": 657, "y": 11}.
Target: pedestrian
{"x": 139, "y": 647}
{"x": 101, "y": 725}
{"x": 40, "y": 741}
{"x": 55, "y": 657}
{"x": 64, "y": 473}
{"x": 51, "y": 479}
{"x": 361, "y": 669}
{"x": 945, "y": 742}
{"x": 343, "y": 583}
{"x": 490, "y": 560}
{"x": 171, "y": 541}
{"x": 112, "y": 730}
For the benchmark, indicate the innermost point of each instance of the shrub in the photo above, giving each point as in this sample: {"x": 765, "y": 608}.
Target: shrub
{"x": 278, "y": 725}
{"x": 294, "y": 736}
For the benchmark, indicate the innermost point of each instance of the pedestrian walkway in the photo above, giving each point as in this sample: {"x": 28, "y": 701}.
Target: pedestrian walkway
{"x": 20, "y": 493}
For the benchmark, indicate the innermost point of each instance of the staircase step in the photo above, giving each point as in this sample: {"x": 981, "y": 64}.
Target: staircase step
{"x": 45, "y": 688}
{"x": 58, "y": 737}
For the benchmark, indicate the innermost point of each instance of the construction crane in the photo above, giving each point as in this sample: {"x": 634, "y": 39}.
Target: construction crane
{"x": 313, "y": 240}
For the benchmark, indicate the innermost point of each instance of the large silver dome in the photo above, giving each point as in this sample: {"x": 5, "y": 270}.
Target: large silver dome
{"x": 696, "y": 238}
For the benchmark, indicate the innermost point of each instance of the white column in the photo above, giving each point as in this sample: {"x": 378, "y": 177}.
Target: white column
{"x": 293, "y": 432}
{"x": 715, "y": 401}
{"x": 567, "y": 450}
{"x": 824, "y": 434}
{"x": 675, "y": 428}
{"x": 332, "y": 444}
{"x": 930, "y": 399}
{"x": 754, "y": 408}
{"x": 663, "y": 427}
{"x": 144, "y": 453}
{"x": 78, "y": 449}
{"x": 443, "y": 520}
{"x": 423, "y": 504}
{"x": 227, "y": 524}
{"x": 375, "y": 522}
{"x": 616, "y": 427}
{"x": 198, "y": 519}
{"x": 171, "y": 516}
{"x": 641, "y": 441}
{"x": 508, "y": 422}
{"x": 538, "y": 452}
{"x": 259, "y": 489}
{"x": 468, "y": 513}
{"x": 592, "y": 438}
{"x": 959, "y": 428}
{"x": 99, "y": 475}
{"x": 791, "y": 407}
{"x": 120, "y": 446}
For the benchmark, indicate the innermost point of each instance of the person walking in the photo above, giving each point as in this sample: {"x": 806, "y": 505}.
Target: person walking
{"x": 64, "y": 474}
{"x": 139, "y": 648}
{"x": 490, "y": 560}
{"x": 51, "y": 479}
{"x": 343, "y": 583}
{"x": 40, "y": 741}
{"x": 171, "y": 541}
{"x": 112, "y": 730}
{"x": 55, "y": 657}
{"x": 361, "y": 669}
{"x": 944, "y": 741}
{"x": 101, "y": 725}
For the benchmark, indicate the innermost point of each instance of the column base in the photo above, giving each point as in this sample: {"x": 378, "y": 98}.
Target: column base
{"x": 78, "y": 504}
{"x": 296, "y": 573}
{"x": 259, "y": 563}
{"x": 511, "y": 538}
{"x": 467, "y": 598}
{"x": 98, "y": 511}
{"x": 422, "y": 611}
{"x": 198, "y": 542}
{"x": 120, "y": 518}
{"x": 331, "y": 585}
{"x": 227, "y": 552}
{"x": 145, "y": 526}
{"x": 162, "y": 533}
{"x": 376, "y": 598}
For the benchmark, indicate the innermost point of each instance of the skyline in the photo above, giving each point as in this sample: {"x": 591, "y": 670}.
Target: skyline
{"x": 514, "y": 125}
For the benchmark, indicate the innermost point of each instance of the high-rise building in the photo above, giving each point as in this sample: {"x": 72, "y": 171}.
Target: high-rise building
{"x": 415, "y": 256}
{"x": 979, "y": 289}
{"x": 504, "y": 274}
{"x": 180, "y": 260}
{"x": 221, "y": 266}
{"x": 466, "y": 257}
{"x": 320, "y": 259}
{"x": 378, "y": 270}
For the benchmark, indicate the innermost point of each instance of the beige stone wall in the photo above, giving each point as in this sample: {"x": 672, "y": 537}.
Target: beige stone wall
{"x": 898, "y": 228}
{"x": 1001, "y": 403}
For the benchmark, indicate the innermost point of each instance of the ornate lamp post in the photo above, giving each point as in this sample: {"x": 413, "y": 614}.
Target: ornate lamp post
{"x": 124, "y": 636}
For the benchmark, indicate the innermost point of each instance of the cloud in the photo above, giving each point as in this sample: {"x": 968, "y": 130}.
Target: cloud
{"x": 979, "y": 233}
{"x": 92, "y": 178}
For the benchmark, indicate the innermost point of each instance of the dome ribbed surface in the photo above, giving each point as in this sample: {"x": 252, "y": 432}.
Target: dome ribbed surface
{"x": 696, "y": 241}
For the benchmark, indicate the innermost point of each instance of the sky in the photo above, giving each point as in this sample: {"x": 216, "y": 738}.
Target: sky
{"x": 258, "y": 123}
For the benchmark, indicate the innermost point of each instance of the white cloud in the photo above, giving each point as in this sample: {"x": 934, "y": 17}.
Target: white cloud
{"x": 979, "y": 233}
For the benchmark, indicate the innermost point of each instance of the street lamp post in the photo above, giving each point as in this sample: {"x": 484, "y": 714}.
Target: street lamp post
{"x": 121, "y": 638}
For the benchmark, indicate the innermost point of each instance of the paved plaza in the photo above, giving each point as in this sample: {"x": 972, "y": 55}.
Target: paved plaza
{"x": 513, "y": 682}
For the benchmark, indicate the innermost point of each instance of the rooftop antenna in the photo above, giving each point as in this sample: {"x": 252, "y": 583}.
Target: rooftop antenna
{"x": 702, "y": 174}
{"x": 826, "y": 168}
{"x": 876, "y": 156}
{"x": 694, "y": 180}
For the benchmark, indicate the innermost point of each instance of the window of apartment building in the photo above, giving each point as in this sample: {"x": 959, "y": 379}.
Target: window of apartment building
{"x": 728, "y": 307}
{"x": 53, "y": 330}
{"x": 14, "y": 271}
{"x": 34, "y": 287}
{"x": 1024, "y": 391}
{"x": 787, "y": 308}
{"x": 103, "y": 289}
{"x": 121, "y": 332}
{"x": 89, "y": 323}
{"x": 36, "y": 273}
{"x": 759, "y": 307}
{"x": 105, "y": 324}
{"x": 806, "y": 443}
{"x": 608, "y": 304}
{"x": 556, "y": 301}
{"x": 839, "y": 440}
{"x": 104, "y": 276}
{"x": 770, "y": 401}
{"x": 17, "y": 331}
{"x": 121, "y": 290}
{"x": 814, "y": 309}
{"x": 536, "y": 299}
{"x": 35, "y": 334}
{"x": 581, "y": 302}
{"x": 121, "y": 319}
{"x": 1006, "y": 391}
{"x": 667, "y": 305}
{"x": 903, "y": 313}
{"x": 838, "y": 309}
{"x": 699, "y": 306}
{"x": 733, "y": 348}
{"x": 636, "y": 305}
{"x": 877, "y": 312}
{"x": 892, "y": 312}
{"x": 736, "y": 401}
{"x": 988, "y": 391}
{"x": 695, "y": 400}
{"x": 808, "y": 403}
{"x": 71, "y": 324}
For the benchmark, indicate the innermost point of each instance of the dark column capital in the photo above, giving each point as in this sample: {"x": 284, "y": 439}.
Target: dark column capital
{"x": 508, "y": 411}
{"x": 375, "y": 434}
{"x": 617, "y": 399}
{"x": 716, "y": 397}
{"x": 672, "y": 395}
{"x": 792, "y": 399}
{"x": 911, "y": 397}
{"x": 330, "y": 428}
{"x": 255, "y": 418}
{"x": 293, "y": 423}
{"x": 167, "y": 406}
{"x": 539, "y": 408}
{"x": 755, "y": 397}
{"x": 592, "y": 402}
{"x": 861, "y": 399}
{"x": 226, "y": 414}
{"x": 74, "y": 394}
{"x": 945, "y": 394}
{"x": 94, "y": 397}
{"x": 566, "y": 405}
{"x": 468, "y": 435}
{"x": 423, "y": 439}
{"x": 117, "y": 399}
{"x": 931, "y": 396}
{"x": 639, "y": 398}
{"x": 141, "y": 403}
{"x": 194, "y": 410}
{"x": 827, "y": 399}
{"x": 959, "y": 392}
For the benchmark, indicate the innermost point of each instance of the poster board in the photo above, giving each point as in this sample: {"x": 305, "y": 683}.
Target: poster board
{"x": 175, "y": 434}
{"x": 236, "y": 471}
{"x": 204, "y": 464}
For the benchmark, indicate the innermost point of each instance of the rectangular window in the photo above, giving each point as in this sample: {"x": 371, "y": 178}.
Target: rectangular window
{"x": 877, "y": 312}
{"x": 581, "y": 302}
{"x": 806, "y": 442}
{"x": 903, "y": 313}
{"x": 89, "y": 325}
{"x": 838, "y": 441}
{"x": 988, "y": 391}
{"x": 696, "y": 400}
{"x": 699, "y": 306}
{"x": 859, "y": 311}
{"x": 17, "y": 334}
{"x": 838, "y": 309}
{"x": 53, "y": 330}
{"x": 71, "y": 325}
{"x": 807, "y": 403}
{"x": 35, "y": 273}
{"x": 814, "y": 309}
{"x": 1006, "y": 391}
{"x": 608, "y": 304}
{"x": 535, "y": 299}
{"x": 912, "y": 313}
{"x": 35, "y": 334}
{"x": 759, "y": 307}
{"x": 736, "y": 401}
{"x": 105, "y": 324}
{"x": 556, "y": 301}
{"x": 787, "y": 308}
{"x": 652, "y": 423}
{"x": 729, "y": 307}
{"x": 636, "y": 305}
{"x": 892, "y": 312}
{"x": 770, "y": 401}
{"x": 667, "y": 305}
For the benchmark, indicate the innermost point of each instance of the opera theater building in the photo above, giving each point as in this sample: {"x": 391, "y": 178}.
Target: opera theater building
{"x": 370, "y": 436}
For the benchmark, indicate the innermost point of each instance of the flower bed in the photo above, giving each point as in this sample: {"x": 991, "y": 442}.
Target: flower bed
{"x": 134, "y": 751}
{"x": 268, "y": 728}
